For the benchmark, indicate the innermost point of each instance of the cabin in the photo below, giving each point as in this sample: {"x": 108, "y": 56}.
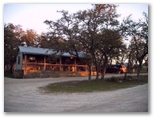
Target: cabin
{"x": 32, "y": 62}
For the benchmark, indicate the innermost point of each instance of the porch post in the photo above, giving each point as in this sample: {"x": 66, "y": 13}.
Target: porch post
{"x": 60, "y": 62}
{"x": 44, "y": 65}
{"x": 75, "y": 65}
{"x": 25, "y": 65}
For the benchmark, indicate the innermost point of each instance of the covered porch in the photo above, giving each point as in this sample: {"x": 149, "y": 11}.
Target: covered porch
{"x": 36, "y": 62}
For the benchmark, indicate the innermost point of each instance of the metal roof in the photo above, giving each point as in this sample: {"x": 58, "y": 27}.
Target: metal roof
{"x": 45, "y": 51}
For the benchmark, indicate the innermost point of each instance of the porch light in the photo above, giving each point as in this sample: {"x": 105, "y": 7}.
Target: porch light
{"x": 32, "y": 58}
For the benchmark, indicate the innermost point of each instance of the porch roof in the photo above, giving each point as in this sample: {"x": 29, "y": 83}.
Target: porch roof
{"x": 45, "y": 51}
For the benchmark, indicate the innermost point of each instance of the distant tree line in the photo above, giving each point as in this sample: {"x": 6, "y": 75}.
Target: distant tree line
{"x": 96, "y": 31}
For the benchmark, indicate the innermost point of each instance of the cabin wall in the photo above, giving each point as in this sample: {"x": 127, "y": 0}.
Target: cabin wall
{"x": 19, "y": 59}
{"x": 18, "y": 71}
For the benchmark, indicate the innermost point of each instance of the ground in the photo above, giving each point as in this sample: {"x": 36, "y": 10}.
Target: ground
{"x": 23, "y": 95}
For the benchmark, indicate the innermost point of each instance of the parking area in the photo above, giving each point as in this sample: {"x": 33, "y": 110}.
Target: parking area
{"x": 23, "y": 95}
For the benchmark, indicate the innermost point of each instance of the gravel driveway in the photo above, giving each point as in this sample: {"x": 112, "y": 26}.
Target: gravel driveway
{"x": 23, "y": 95}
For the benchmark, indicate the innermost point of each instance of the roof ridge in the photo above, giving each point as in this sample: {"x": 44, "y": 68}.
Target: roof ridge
{"x": 46, "y": 51}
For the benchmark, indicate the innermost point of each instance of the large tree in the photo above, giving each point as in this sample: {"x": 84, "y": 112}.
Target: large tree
{"x": 138, "y": 31}
{"x": 92, "y": 31}
{"x": 11, "y": 43}
{"x": 99, "y": 34}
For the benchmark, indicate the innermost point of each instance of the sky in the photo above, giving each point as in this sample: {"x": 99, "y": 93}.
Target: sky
{"x": 32, "y": 16}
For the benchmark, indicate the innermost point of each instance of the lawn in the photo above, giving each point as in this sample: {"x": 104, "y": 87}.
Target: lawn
{"x": 8, "y": 74}
{"x": 112, "y": 83}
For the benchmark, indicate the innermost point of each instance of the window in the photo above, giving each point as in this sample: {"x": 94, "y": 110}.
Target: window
{"x": 18, "y": 59}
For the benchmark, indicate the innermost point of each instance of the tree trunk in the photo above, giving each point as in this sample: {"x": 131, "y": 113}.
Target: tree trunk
{"x": 139, "y": 70}
{"x": 11, "y": 68}
{"x": 89, "y": 73}
{"x": 97, "y": 70}
{"x": 103, "y": 69}
{"x": 138, "y": 74}
{"x": 97, "y": 75}
{"x": 103, "y": 73}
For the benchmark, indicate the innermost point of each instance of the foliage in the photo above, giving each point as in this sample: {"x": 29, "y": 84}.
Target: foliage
{"x": 29, "y": 38}
{"x": 11, "y": 43}
{"x": 91, "y": 31}
{"x": 138, "y": 48}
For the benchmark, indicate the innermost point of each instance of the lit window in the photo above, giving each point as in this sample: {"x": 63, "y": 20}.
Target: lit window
{"x": 31, "y": 59}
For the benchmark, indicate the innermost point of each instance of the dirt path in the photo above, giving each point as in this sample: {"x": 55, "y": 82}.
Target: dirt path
{"x": 24, "y": 96}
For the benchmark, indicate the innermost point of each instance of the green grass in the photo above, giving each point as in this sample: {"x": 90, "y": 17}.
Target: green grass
{"x": 94, "y": 85}
{"x": 8, "y": 74}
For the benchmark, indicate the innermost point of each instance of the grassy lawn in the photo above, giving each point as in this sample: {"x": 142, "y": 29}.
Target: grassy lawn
{"x": 8, "y": 74}
{"x": 94, "y": 85}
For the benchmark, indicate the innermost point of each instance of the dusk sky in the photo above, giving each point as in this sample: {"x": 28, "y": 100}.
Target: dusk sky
{"x": 32, "y": 16}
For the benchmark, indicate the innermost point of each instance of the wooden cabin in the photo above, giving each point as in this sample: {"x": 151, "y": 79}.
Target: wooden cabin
{"x": 41, "y": 62}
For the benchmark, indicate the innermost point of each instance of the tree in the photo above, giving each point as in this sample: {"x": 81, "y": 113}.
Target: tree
{"x": 138, "y": 31}
{"x": 91, "y": 31}
{"x": 99, "y": 34}
{"x": 11, "y": 43}
{"x": 29, "y": 38}
{"x": 111, "y": 47}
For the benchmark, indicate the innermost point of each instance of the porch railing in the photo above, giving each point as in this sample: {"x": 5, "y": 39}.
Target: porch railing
{"x": 35, "y": 67}
{"x": 53, "y": 67}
